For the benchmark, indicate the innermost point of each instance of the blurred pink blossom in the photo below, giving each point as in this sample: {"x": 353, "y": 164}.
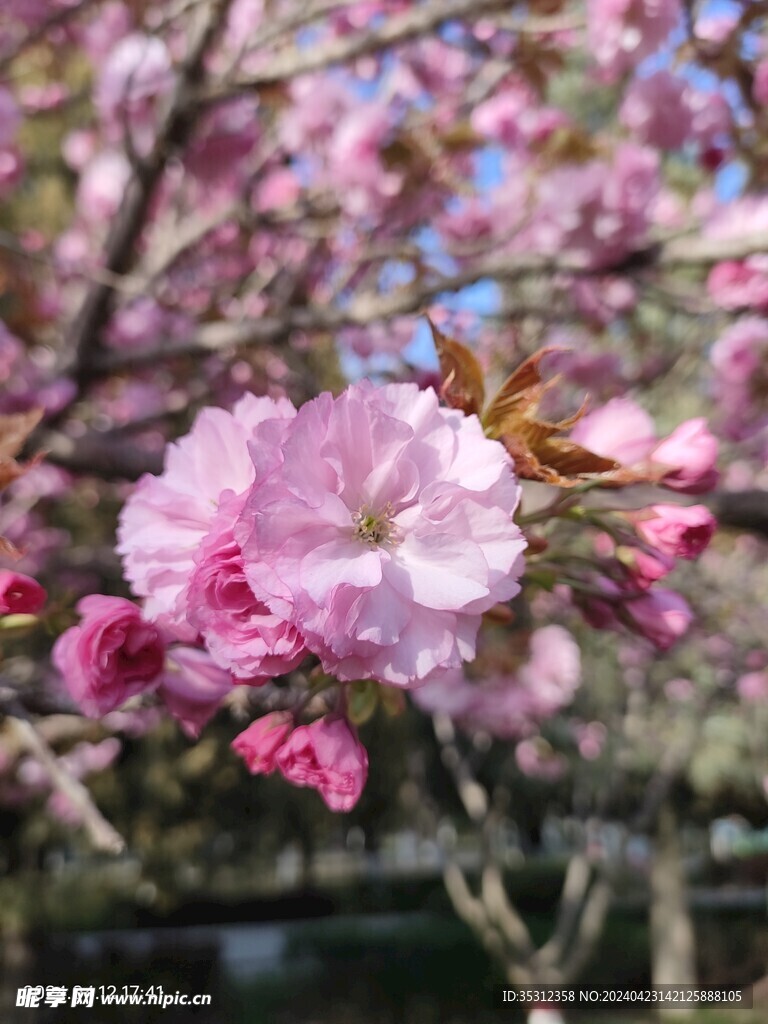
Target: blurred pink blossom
{"x": 690, "y": 452}
{"x": 193, "y": 687}
{"x": 621, "y": 33}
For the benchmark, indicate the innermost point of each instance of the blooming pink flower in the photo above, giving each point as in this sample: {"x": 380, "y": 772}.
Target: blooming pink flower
{"x": 619, "y": 430}
{"x": 227, "y": 134}
{"x": 690, "y": 452}
{"x": 261, "y": 741}
{"x": 621, "y": 33}
{"x": 536, "y": 759}
{"x": 10, "y": 118}
{"x": 715, "y": 27}
{"x": 239, "y": 630}
{"x": 193, "y": 687}
{"x": 386, "y": 532}
{"x": 165, "y": 520}
{"x": 112, "y": 655}
{"x": 598, "y": 211}
{"x": 753, "y": 687}
{"x": 328, "y": 756}
{"x": 680, "y": 690}
{"x": 662, "y": 616}
{"x": 741, "y": 350}
{"x": 739, "y": 284}
{"x": 711, "y": 123}
{"x": 655, "y": 110}
{"x": 760, "y": 83}
{"x": 677, "y": 530}
{"x": 510, "y": 705}
{"x": 355, "y": 167}
{"x": 102, "y": 186}
{"x": 137, "y": 72}
{"x": 740, "y": 359}
{"x": 20, "y": 594}
{"x": 590, "y": 738}
{"x": 500, "y": 116}
{"x": 110, "y": 24}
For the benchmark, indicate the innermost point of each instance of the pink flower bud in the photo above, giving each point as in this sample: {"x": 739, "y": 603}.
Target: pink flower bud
{"x": 662, "y": 616}
{"x": 648, "y": 569}
{"x": 193, "y": 687}
{"x": 690, "y": 452}
{"x": 261, "y": 741}
{"x": 20, "y": 594}
{"x": 678, "y": 531}
{"x": 112, "y": 655}
{"x": 328, "y": 756}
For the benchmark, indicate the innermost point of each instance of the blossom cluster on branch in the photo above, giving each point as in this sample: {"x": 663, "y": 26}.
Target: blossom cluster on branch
{"x": 218, "y": 214}
{"x": 370, "y": 533}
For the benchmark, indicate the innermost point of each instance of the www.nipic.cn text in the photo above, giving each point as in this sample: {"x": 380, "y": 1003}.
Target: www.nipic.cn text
{"x": 33, "y": 996}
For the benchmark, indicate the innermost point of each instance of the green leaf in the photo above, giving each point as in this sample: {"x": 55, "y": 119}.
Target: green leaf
{"x": 362, "y": 701}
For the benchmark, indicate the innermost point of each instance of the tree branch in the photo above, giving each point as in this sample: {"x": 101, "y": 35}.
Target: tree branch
{"x": 368, "y": 308}
{"x": 83, "y": 338}
{"x": 395, "y": 30}
{"x": 103, "y": 836}
{"x": 742, "y": 510}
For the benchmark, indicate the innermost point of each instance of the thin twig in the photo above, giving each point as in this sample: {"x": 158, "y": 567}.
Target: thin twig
{"x": 103, "y": 835}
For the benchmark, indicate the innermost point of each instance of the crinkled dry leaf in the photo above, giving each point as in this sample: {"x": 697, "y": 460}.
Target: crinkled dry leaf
{"x": 463, "y": 382}
{"x": 15, "y": 428}
{"x": 8, "y": 550}
{"x": 521, "y": 388}
{"x": 539, "y": 447}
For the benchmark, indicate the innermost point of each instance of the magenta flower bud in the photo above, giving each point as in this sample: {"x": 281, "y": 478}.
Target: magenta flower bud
{"x": 690, "y": 452}
{"x": 112, "y": 655}
{"x": 20, "y": 594}
{"x": 262, "y": 740}
{"x": 662, "y": 616}
{"x": 678, "y": 531}
{"x": 193, "y": 687}
{"x": 328, "y": 756}
{"x": 648, "y": 569}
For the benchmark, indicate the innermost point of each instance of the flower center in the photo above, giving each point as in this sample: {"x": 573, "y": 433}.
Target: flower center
{"x": 375, "y": 528}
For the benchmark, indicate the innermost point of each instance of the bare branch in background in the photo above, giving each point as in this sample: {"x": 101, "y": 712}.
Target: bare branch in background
{"x": 83, "y": 339}
{"x": 401, "y": 28}
{"x": 103, "y": 835}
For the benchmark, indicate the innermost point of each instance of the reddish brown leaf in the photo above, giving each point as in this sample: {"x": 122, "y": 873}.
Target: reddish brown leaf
{"x": 15, "y": 428}
{"x": 571, "y": 459}
{"x": 520, "y": 388}
{"x": 8, "y": 550}
{"x": 463, "y": 387}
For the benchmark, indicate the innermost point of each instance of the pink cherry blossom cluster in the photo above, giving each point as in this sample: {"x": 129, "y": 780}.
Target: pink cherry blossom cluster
{"x": 624, "y": 592}
{"x": 510, "y": 706}
{"x": 326, "y": 755}
{"x": 11, "y": 166}
{"x": 372, "y": 531}
{"x": 622, "y": 33}
{"x": 740, "y": 360}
